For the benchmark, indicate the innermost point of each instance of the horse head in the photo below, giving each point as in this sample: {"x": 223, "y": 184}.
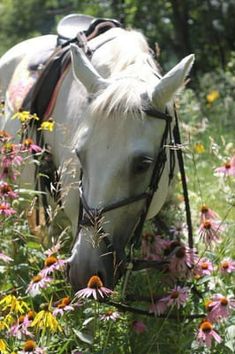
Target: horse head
{"x": 118, "y": 145}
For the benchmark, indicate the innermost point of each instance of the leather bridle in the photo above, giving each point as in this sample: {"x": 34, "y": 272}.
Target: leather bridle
{"x": 88, "y": 216}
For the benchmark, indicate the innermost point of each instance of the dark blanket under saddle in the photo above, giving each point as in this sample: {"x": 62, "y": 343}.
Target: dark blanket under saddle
{"x": 54, "y": 61}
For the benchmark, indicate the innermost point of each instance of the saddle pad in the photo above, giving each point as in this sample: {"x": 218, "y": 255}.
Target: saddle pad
{"x": 20, "y": 85}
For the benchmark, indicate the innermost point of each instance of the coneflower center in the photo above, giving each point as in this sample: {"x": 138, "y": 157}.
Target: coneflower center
{"x": 29, "y": 346}
{"x": 206, "y": 326}
{"x": 225, "y": 265}
{"x": 8, "y": 148}
{"x": 109, "y": 313}
{"x": 21, "y": 319}
{"x": 64, "y": 302}
{"x": 204, "y": 209}
{"x": 50, "y": 261}
{"x": 224, "y": 301}
{"x": 95, "y": 282}
{"x": 27, "y": 142}
{"x": 227, "y": 165}
{"x": 31, "y": 315}
{"x": 3, "y": 207}
{"x": 175, "y": 294}
{"x": 149, "y": 237}
{"x": 207, "y": 224}
{"x": 4, "y": 134}
{"x": 37, "y": 278}
{"x": 180, "y": 253}
{"x": 204, "y": 265}
{"x": 5, "y": 189}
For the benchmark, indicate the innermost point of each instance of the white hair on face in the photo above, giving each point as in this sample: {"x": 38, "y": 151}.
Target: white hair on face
{"x": 122, "y": 97}
{"x": 133, "y": 69}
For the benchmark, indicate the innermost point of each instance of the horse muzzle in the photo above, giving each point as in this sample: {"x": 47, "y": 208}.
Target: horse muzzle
{"x": 90, "y": 258}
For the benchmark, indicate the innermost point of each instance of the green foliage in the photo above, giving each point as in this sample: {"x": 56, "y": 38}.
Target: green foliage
{"x": 179, "y": 27}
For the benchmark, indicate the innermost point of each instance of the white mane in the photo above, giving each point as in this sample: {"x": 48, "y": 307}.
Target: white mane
{"x": 132, "y": 70}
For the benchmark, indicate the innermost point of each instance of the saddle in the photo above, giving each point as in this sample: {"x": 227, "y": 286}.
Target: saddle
{"x": 52, "y": 62}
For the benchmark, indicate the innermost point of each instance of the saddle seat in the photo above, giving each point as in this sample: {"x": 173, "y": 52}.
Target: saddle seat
{"x": 53, "y": 62}
{"x": 70, "y": 25}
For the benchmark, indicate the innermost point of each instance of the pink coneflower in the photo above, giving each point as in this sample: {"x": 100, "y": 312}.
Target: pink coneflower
{"x": 8, "y": 173}
{"x": 53, "y": 250}
{"x": 153, "y": 246}
{"x": 6, "y": 191}
{"x": 5, "y": 258}
{"x": 95, "y": 289}
{"x": 37, "y": 283}
{"x": 206, "y": 334}
{"x": 6, "y": 210}
{"x": 110, "y": 315}
{"x": 210, "y": 231}
{"x": 20, "y": 328}
{"x": 177, "y": 297}
{"x": 182, "y": 260}
{"x": 203, "y": 267}
{"x": 4, "y": 136}
{"x": 208, "y": 214}
{"x": 28, "y": 145}
{"x": 63, "y": 306}
{"x": 11, "y": 155}
{"x": 228, "y": 169}
{"x": 227, "y": 266}
{"x": 139, "y": 327}
{"x": 51, "y": 264}
{"x": 30, "y": 347}
{"x": 220, "y": 307}
{"x": 159, "y": 307}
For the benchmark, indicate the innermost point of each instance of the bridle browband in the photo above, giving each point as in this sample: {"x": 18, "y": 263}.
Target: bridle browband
{"x": 88, "y": 216}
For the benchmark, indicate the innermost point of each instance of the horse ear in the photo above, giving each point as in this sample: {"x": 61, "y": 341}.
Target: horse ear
{"x": 85, "y": 72}
{"x": 170, "y": 83}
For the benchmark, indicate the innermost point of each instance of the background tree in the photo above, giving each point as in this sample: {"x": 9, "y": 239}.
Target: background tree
{"x": 179, "y": 26}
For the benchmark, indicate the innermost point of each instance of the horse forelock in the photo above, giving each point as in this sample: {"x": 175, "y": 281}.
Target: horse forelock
{"x": 132, "y": 71}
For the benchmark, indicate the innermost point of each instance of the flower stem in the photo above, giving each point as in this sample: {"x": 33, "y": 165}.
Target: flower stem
{"x": 107, "y": 336}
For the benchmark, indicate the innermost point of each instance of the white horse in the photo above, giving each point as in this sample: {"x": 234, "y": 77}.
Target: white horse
{"x": 104, "y": 125}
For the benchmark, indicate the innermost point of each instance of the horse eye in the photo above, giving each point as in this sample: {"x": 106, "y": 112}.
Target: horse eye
{"x": 142, "y": 164}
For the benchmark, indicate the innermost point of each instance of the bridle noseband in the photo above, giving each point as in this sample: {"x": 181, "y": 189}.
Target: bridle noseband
{"x": 88, "y": 216}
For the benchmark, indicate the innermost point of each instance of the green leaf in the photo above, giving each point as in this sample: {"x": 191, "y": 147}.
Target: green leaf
{"x": 84, "y": 337}
{"x": 33, "y": 245}
{"x": 87, "y": 321}
{"x": 230, "y": 345}
{"x": 231, "y": 332}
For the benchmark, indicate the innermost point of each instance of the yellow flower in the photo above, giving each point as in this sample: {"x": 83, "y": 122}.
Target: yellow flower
{"x": 47, "y": 125}
{"x": 3, "y": 346}
{"x": 6, "y": 321}
{"x": 212, "y": 96}
{"x": 199, "y": 148}
{"x": 24, "y": 116}
{"x": 13, "y": 304}
{"x": 45, "y": 319}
